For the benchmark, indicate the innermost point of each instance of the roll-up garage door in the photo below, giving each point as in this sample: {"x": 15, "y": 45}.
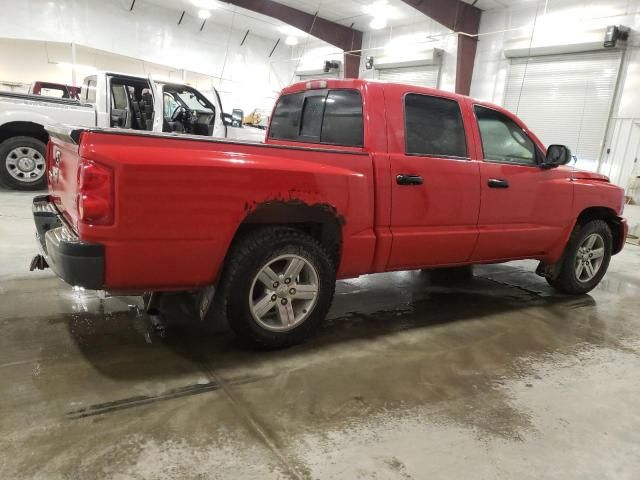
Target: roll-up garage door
{"x": 424, "y": 76}
{"x": 317, "y": 76}
{"x": 566, "y": 98}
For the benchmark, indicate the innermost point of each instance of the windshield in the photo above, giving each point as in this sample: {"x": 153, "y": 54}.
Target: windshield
{"x": 188, "y": 98}
{"x": 170, "y": 104}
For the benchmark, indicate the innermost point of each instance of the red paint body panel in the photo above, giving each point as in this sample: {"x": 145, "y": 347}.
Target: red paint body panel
{"x": 179, "y": 201}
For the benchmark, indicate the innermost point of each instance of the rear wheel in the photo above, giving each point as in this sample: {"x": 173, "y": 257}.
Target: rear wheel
{"x": 23, "y": 164}
{"x": 278, "y": 286}
{"x": 586, "y": 258}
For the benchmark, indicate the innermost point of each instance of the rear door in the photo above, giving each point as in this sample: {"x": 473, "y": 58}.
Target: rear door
{"x": 524, "y": 208}
{"x": 435, "y": 189}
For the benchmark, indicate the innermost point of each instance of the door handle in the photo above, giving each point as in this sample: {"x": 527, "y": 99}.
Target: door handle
{"x": 407, "y": 179}
{"x": 497, "y": 183}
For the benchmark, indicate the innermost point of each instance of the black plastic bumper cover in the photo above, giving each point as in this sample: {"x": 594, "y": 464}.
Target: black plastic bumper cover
{"x": 78, "y": 263}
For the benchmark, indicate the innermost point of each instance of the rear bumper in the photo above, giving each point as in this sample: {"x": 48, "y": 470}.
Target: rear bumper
{"x": 78, "y": 263}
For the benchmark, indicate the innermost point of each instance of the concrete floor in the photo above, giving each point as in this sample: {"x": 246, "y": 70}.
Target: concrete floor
{"x": 494, "y": 378}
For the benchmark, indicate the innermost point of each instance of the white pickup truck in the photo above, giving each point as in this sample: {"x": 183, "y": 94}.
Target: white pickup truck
{"x": 106, "y": 100}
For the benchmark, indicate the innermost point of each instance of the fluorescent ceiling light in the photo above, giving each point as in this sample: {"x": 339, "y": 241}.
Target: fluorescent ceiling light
{"x": 206, "y": 4}
{"x": 381, "y": 8}
{"x": 378, "y": 22}
{"x": 203, "y": 14}
{"x": 291, "y": 40}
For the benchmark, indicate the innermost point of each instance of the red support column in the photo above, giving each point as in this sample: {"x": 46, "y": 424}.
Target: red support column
{"x": 464, "y": 68}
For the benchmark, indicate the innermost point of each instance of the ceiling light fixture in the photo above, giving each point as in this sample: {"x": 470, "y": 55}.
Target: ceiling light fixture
{"x": 378, "y": 23}
{"x": 381, "y": 12}
{"x": 204, "y": 14}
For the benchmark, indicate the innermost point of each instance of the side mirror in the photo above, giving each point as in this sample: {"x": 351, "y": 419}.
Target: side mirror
{"x": 227, "y": 119}
{"x": 557, "y": 155}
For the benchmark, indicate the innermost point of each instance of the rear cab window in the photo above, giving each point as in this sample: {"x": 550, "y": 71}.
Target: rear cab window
{"x": 330, "y": 117}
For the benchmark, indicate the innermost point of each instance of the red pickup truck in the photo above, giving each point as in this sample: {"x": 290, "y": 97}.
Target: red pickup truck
{"x": 355, "y": 177}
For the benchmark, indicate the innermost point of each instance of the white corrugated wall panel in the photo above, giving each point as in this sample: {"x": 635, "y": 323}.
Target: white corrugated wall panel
{"x": 423, "y": 76}
{"x": 318, "y": 76}
{"x": 565, "y": 99}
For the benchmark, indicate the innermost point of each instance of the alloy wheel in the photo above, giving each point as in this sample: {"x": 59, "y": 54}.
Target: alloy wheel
{"x": 284, "y": 293}
{"x": 589, "y": 258}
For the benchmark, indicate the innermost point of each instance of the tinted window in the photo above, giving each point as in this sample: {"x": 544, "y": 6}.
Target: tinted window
{"x": 342, "y": 123}
{"x": 333, "y": 117}
{"x": 433, "y": 126}
{"x": 286, "y": 117}
{"x": 312, "y": 116}
{"x": 502, "y": 139}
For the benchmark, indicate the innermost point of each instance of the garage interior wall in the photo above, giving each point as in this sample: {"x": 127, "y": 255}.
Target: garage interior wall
{"x": 410, "y": 44}
{"x": 564, "y": 24}
{"x": 245, "y": 75}
{"x": 566, "y": 99}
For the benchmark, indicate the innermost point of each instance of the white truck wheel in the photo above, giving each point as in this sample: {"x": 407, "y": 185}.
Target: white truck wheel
{"x": 23, "y": 163}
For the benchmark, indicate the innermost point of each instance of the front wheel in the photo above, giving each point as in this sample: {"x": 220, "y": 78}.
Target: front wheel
{"x": 586, "y": 258}
{"x": 278, "y": 285}
{"x": 22, "y": 163}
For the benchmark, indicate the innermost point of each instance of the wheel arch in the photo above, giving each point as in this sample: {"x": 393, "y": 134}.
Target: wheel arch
{"x": 23, "y": 129}
{"x": 613, "y": 220}
{"x": 321, "y": 221}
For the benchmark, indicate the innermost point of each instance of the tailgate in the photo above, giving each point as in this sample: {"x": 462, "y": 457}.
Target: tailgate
{"x": 63, "y": 160}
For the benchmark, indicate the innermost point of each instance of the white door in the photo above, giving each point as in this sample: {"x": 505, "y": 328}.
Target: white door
{"x": 630, "y": 168}
{"x": 566, "y": 99}
{"x": 423, "y": 76}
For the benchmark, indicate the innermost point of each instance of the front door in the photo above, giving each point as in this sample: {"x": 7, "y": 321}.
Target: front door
{"x": 525, "y": 209}
{"x": 435, "y": 189}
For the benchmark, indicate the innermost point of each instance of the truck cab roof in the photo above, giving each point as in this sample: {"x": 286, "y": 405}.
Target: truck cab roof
{"x": 362, "y": 84}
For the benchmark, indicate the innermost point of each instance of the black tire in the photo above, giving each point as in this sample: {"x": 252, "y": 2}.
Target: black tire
{"x": 6, "y": 178}
{"x": 246, "y": 258}
{"x": 567, "y": 281}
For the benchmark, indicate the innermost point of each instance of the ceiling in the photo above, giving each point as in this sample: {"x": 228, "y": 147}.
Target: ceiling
{"x": 345, "y": 12}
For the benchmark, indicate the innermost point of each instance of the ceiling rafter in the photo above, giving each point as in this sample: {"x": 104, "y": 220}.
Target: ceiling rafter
{"x": 463, "y": 19}
{"x": 347, "y": 39}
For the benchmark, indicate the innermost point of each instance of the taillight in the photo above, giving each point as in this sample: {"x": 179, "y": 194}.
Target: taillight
{"x": 95, "y": 193}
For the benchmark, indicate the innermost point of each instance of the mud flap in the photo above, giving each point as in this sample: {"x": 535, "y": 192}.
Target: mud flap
{"x": 549, "y": 270}
{"x": 38, "y": 263}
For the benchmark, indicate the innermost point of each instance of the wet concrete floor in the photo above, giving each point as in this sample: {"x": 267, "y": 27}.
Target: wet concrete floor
{"x": 410, "y": 378}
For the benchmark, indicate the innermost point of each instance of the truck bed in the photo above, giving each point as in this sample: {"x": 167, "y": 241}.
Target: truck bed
{"x": 179, "y": 199}
{"x": 22, "y": 97}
